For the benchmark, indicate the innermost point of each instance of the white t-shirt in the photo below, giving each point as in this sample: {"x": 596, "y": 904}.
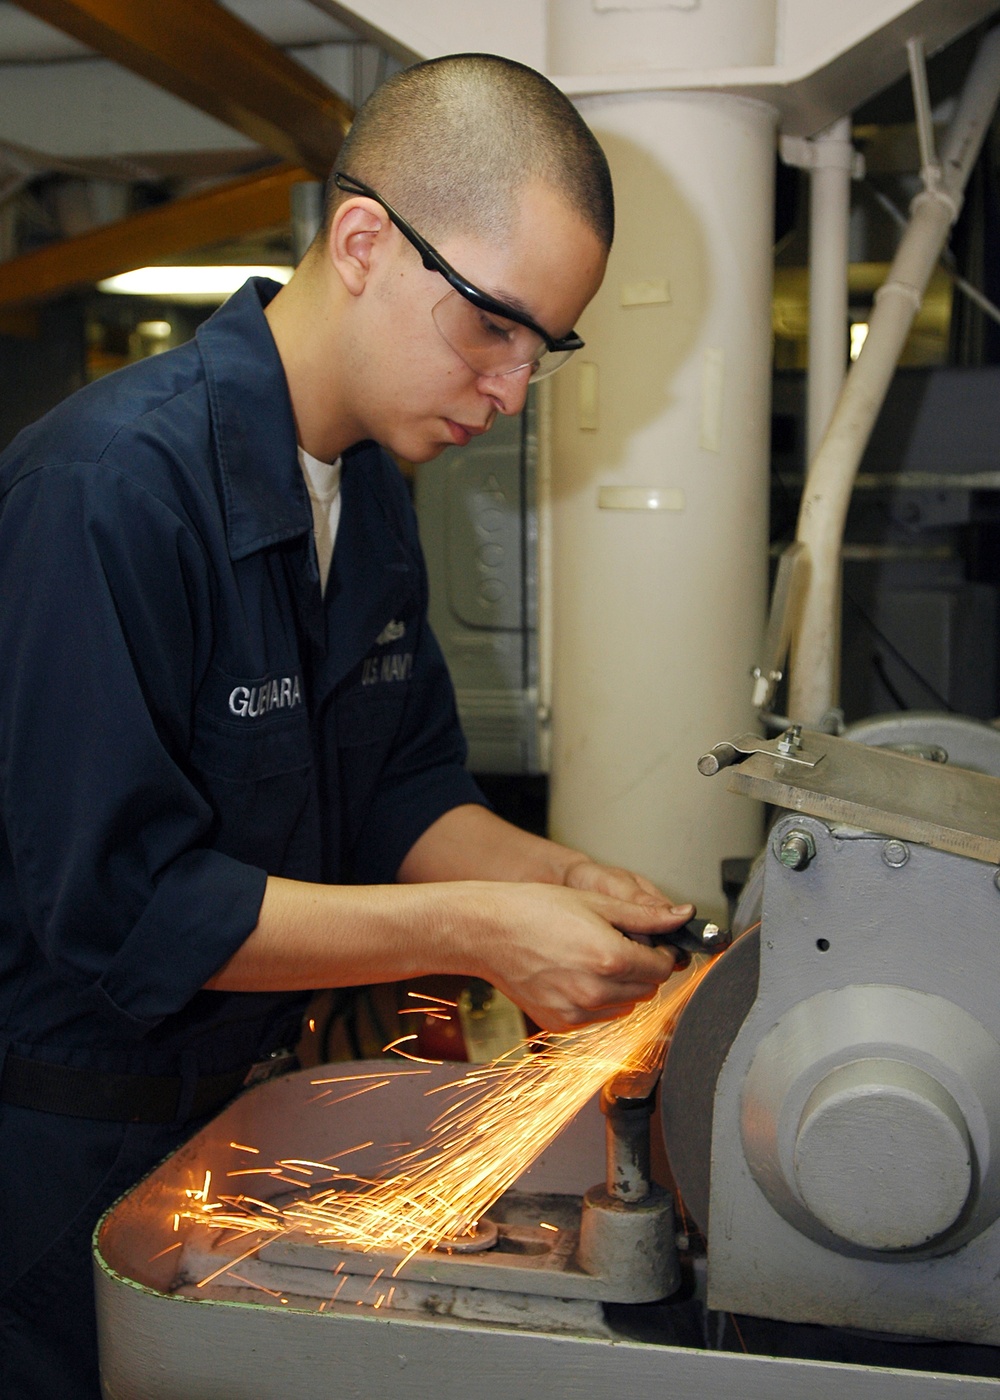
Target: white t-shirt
{"x": 323, "y": 482}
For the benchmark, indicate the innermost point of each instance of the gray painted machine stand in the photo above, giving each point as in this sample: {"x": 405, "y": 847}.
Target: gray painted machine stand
{"x": 855, "y": 1144}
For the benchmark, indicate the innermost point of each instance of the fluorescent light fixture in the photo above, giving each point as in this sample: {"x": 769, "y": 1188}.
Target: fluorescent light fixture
{"x": 859, "y": 334}
{"x": 208, "y": 283}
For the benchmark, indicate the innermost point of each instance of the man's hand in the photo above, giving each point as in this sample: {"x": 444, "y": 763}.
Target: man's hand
{"x": 556, "y": 942}
{"x": 565, "y": 938}
{"x": 569, "y": 956}
{"x": 587, "y": 874}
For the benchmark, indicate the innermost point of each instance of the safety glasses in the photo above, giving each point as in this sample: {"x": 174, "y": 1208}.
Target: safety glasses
{"x": 491, "y": 337}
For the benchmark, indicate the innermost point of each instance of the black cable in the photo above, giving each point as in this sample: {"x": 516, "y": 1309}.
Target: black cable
{"x": 903, "y": 660}
{"x": 878, "y": 662}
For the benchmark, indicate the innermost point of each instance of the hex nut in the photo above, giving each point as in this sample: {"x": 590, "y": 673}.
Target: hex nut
{"x": 797, "y": 849}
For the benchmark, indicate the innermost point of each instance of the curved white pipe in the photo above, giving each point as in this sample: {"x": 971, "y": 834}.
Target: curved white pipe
{"x": 814, "y": 678}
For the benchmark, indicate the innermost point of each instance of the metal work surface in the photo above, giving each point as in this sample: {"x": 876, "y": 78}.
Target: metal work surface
{"x": 168, "y": 1340}
{"x": 257, "y": 1354}
{"x": 527, "y": 1259}
{"x": 875, "y": 789}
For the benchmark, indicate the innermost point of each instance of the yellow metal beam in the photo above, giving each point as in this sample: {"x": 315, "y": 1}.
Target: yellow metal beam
{"x": 226, "y": 211}
{"x": 202, "y": 53}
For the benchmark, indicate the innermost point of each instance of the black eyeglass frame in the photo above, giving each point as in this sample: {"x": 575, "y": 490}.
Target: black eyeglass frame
{"x": 434, "y": 262}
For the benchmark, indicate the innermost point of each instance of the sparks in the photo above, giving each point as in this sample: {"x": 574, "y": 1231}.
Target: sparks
{"x": 355, "y": 1094}
{"x": 162, "y": 1252}
{"x": 502, "y": 1117}
{"x": 392, "y": 1073}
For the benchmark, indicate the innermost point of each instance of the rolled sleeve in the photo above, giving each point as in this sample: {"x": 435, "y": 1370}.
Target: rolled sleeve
{"x": 109, "y": 834}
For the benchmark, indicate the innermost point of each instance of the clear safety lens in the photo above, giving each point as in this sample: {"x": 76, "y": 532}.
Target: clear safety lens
{"x": 490, "y": 344}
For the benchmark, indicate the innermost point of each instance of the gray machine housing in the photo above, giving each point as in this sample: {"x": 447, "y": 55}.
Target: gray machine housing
{"x": 855, "y": 1140}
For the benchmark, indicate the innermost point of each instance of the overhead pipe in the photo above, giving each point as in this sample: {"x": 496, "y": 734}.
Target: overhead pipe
{"x": 814, "y": 680}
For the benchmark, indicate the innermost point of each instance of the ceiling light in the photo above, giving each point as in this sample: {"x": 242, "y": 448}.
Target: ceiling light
{"x": 211, "y": 283}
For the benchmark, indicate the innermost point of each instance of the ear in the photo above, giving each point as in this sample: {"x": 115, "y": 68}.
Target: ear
{"x": 359, "y": 230}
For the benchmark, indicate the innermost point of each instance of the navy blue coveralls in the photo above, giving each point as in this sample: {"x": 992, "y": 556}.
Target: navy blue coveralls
{"x": 181, "y": 714}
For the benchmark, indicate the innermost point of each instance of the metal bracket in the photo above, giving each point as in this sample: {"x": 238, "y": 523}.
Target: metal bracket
{"x": 787, "y": 746}
{"x": 806, "y": 153}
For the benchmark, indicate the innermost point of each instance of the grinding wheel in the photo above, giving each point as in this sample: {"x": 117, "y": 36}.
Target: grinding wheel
{"x": 698, "y": 1050}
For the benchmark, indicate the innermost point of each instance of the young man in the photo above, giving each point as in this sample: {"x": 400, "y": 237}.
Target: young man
{"x": 230, "y": 761}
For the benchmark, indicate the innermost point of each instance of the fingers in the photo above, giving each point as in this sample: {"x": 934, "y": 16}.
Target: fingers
{"x": 634, "y": 917}
{"x": 565, "y": 959}
{"x": 611, "y": 880}
{"x": 573, "y": 1018}
{"x": 638, "y": 970}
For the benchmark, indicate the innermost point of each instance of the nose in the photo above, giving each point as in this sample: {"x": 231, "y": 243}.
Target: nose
{"x": 508, "y": 391}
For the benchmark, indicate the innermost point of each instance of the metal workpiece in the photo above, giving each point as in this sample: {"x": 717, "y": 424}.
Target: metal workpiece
{"x": 631, "y": 1244}
{"x": 696, "y": 936}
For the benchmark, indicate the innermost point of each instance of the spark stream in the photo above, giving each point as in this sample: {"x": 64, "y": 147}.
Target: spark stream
{"x": 502, "y": 1118}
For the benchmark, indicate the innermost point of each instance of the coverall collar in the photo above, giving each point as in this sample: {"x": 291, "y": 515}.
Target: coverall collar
{"x": 265, "y": 496}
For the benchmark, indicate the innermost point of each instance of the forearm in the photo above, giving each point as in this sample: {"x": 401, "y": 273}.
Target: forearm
{"x": 557, "y": 952}
{"x": 473, "y": 843}
{"x": 470, "y": 842}
{"x": 311, "y": 935}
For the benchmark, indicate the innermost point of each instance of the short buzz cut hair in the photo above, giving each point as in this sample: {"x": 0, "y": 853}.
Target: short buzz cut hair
{"x": 450, "y": 143}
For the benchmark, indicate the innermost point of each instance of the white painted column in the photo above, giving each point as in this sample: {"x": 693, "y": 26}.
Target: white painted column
{"x": 660, "y": 462}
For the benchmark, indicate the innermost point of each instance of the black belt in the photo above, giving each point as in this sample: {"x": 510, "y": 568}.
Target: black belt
{"x": 117, "y": 1098}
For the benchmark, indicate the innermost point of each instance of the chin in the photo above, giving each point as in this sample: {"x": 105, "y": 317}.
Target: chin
{"x": 418, "y": 454}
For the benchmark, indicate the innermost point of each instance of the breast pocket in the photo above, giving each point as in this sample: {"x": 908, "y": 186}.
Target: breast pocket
{"x": 253, "y": 760}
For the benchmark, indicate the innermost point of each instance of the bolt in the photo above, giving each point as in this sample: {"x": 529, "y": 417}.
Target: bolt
{"x": 797, "y": 849}
{"x": 895, "y": 854}
{"x": 710, "y": 933}
{"x": 791, "y": 740}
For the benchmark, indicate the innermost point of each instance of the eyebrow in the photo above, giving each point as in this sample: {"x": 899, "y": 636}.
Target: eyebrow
{"x": 515, "y": 303}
